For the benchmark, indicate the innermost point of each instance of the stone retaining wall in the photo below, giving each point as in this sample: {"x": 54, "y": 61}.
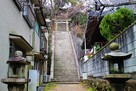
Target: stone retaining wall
{"x": 96, "y": 67}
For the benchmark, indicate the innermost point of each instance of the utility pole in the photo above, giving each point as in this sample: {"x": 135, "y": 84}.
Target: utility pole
{"x": 87, "y": 14}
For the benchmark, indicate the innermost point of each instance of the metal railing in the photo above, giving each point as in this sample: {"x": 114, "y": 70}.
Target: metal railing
{"x": 19, "y": 4}
{"x": 27, "y": 10}
{"x": 28, "y": 14}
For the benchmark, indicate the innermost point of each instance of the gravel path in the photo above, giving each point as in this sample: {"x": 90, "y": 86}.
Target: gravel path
{"x": 69, "y": 87}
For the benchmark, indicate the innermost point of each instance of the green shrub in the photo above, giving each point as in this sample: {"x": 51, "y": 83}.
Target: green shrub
{"x": 96, "y": 85}
{"x": 49, "y": 86}
{"x": 74, "y": 2}
{"x": 79, "y": 19}
{"x": 113, "y": 24}
{"x": 89, "y": 89}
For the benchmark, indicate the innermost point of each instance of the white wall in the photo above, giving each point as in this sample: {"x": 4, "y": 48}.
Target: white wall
{"x": 11, "y": 21}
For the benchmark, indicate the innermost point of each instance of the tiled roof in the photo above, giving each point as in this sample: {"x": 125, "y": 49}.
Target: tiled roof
{"x": 115, "y": 1}
{"x": 111, "y": 2}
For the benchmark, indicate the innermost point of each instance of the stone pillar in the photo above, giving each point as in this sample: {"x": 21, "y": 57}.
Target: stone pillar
{"x": 116, "y": 76}
{"x": 16, "y": 73}
{"x": 67, "y": 26}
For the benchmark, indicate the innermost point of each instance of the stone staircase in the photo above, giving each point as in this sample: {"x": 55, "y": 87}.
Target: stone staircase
{"x": 65, "y": 69}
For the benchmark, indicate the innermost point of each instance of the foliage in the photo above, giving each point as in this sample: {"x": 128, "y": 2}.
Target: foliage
{"x": 46, "y": 11}
{"x": 112, "y": 24}
{"x": 80, "y": 19}
{"x": 96, "y": 85}
{"x": 49, "y": 86}
{"x": 74, "y": 2}
{"x": 97, "y": 47}
{"x": 89, "y": 56}
{"x": 89, "y": 89}
{"x": 131, "y": 84}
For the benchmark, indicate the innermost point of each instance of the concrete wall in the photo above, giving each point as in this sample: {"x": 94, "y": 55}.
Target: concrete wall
{"x": 36, "y": 43}
{"x": 129, "y": 45}
{"x": 11, "y": 22}
{"x": 127, "y": 40}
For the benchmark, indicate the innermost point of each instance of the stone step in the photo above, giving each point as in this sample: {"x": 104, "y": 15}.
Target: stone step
{"x": 64, "y": 64}
{"x": 68, "y": 82}
{"x": 65, "y": 73}
{"x": 65, "y": 80}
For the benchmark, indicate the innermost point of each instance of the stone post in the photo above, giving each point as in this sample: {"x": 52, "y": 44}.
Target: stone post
{"x": 116, "y": 76}
{"x": 16, "y": 73}
{"x": 67, "y": 25}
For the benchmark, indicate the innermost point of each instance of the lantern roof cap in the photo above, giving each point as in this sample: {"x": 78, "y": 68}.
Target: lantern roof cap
{"x": 17, "y": 58}
{"x": 115, "y": 53}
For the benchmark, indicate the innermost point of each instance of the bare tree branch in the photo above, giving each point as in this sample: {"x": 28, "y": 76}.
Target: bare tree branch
{"x": 100, "y": 2}
{"x": 101, "y": 12}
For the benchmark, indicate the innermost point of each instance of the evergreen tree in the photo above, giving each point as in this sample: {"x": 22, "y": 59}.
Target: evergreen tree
{"x": 112, "y": 24}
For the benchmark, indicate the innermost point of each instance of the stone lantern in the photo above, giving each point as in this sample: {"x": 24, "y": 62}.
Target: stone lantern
{"x": 116, "y": 75}
{"x": 16, "y": 70}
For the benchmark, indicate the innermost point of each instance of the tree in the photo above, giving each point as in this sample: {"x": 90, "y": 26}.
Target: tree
{"x": 79, "y": 19}
{"x": 74, "y": 2}
{"x": 112, "y": 24}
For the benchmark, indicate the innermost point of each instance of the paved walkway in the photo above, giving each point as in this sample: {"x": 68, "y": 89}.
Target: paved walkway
{"x": 69, "y": 87}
